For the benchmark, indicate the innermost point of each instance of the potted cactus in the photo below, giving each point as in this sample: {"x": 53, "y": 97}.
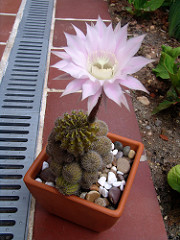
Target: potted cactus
{"x": 79, "y": 147}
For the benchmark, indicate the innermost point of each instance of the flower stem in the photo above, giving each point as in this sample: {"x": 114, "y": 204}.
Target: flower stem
{"x": 92, "y": 114}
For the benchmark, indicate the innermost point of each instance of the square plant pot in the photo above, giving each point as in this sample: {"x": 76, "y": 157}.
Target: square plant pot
{"x": 73, "y": 208}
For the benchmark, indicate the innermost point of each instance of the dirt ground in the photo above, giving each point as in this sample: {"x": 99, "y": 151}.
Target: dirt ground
{"x": 161, "y": 132}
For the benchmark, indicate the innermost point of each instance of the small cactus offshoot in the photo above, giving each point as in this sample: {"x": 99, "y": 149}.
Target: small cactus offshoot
{"x": 91, "y": 161}
{"x": 75, "y": 133}
{"x": 103, "y": 145}
{"x": 72, "y": 172}
{"x": 66, "y": 188}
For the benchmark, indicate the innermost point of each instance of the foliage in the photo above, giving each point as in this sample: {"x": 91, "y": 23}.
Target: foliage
{"x": 169, "y": 68}
{"x": 174, "y": 20}
{"x": 173, "y": 178}
{"x": 138, "y": 7}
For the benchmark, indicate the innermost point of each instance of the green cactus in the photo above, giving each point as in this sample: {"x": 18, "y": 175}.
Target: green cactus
{"x": 72, "y": 172}
{"x": 103, "y": 145}
{"x": 75, "y": 133}
{"x": 65, "y": 187}
{"x": 88, "y": 179}
{"x": 91, "y": 161}
{"x": 108, "y": 158}
{"x": 102, "y": 126}
{"x": 56, "y": 168}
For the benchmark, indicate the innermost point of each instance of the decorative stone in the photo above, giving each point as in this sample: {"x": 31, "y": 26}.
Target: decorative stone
{"x": 118, "y": 145}
{"x": 123, "y": 165}
{"x": 102, "y": 181}
{"x": 38, "y": 180}
{"x": 103, "y": 175}
{"x": 122, "y": 185}
{"x": 111, "y": 178}
{"x": 119, "y": 155}
{"x": 119, "y": 172}
{"x": 47, "y": 175}
{"x": 94, "y": 187}
{"x": 117, "y": 184}
{"x": 109, "y": 166}
{"x": 107, "y": 185}
{"x": 131, "y": 154}
{"x": 83, "y": 195}
{"x": 114, "y": 195}
{"x": 50, "y": 184}
{"x": 103, "y": 191}
{"x": 92, "y": 196}
{"x": 112, "y": 146}
{"x": 114, "y": 162}
{"x": 126, "y": 150}
{"x": 45, "y": 165}
{"x": 101, "y": 201}
{"x": 120, "y": 177}
{"x": 114, "y": 152}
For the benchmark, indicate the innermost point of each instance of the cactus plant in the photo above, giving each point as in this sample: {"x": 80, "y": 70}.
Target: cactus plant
{"x": 88, "y": 179}
{"x": 75, "y": 133}
{"x": 103, "y": 145}
{"x": 102, "y": 126}
{"x": 65, "y": 187}
{"x": 72, "y": 172}
{"x": 91, "y": 161}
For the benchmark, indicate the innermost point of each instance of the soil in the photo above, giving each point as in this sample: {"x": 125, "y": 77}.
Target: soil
{"x": 161, "y": 132}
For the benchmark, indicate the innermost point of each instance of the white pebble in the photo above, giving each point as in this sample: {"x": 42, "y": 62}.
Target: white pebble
{"x": 114, "y": 152}
{"x": 38, "y": 180}
{"x": 119, "y": 172}
{"x": 50, "y": 184}
{"x": 117, "y": 184}
{"x": 121, "y": 187}
{"x": 114, "y": 168}
{"x": 112, "y": 146}
{"x": 123, "y": 182}
{"x": 111, "y": 178}
{"x": 107, "y": 185}
{"x": 102, "y": 180}
{"x": 103, "y": 192}
{"x": 45, "y": 165}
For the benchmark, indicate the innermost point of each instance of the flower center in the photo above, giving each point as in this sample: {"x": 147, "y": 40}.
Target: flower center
{"x": 102, "y": 65}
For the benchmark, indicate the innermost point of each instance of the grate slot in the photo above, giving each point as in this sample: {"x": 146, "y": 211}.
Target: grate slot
{"x": 11, "y": 166}
{"x": 9, "y": 198}
{"x": 8, "y": 209}
{"x": 3, "y": 176}
{"x": 10, "y": 187}
{"x": 7, "y": 223}
{"x": 6, "y": 236}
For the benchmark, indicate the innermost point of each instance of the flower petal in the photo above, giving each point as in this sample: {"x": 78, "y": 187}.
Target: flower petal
{"x": 92, "y": 100}
{"x": 132, "y": 83}
{"x": 73, "y": 86}
{"x": 60, "y": 64}
{"x": 61, "y": 54}
{"x": 135, "y": 64}
{"x": 89, "y": 88}
{"x": 129, "y": 50}
{"x": 121, "y": 37}
{"x": 115, "y": 93}
{"x": 79, "y": 33}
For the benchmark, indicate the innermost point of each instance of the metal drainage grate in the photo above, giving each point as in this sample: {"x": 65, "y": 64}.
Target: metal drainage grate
{"x": 20, "y": 102}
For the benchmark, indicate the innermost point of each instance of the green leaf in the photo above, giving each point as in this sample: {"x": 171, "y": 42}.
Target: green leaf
{"x": 152, "y": 5}
{"x": 174, "y": 20}
{"x": 168, "y": 63}
{"x": 172, "y": 95}
{"x": 174, "y": 80}
{"x": 138, "y": 4}
{"x": 161, "y": 71}
{"x": 173, "y": 52}
{"x": 173, "y": 178}
{"x": 162, "y": 106}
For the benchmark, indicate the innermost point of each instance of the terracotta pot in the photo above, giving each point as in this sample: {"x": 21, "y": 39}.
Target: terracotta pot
{"x": 73, "y": 208}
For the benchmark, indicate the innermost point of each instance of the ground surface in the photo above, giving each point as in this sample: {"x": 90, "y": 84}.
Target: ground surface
{"x": 162, "y": 151}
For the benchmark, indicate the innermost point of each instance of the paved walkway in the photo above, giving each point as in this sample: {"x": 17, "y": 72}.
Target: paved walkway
{"x": 142, "y": 218}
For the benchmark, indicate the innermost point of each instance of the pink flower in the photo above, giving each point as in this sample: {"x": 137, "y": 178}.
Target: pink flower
{"x": 101, "y": 61}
